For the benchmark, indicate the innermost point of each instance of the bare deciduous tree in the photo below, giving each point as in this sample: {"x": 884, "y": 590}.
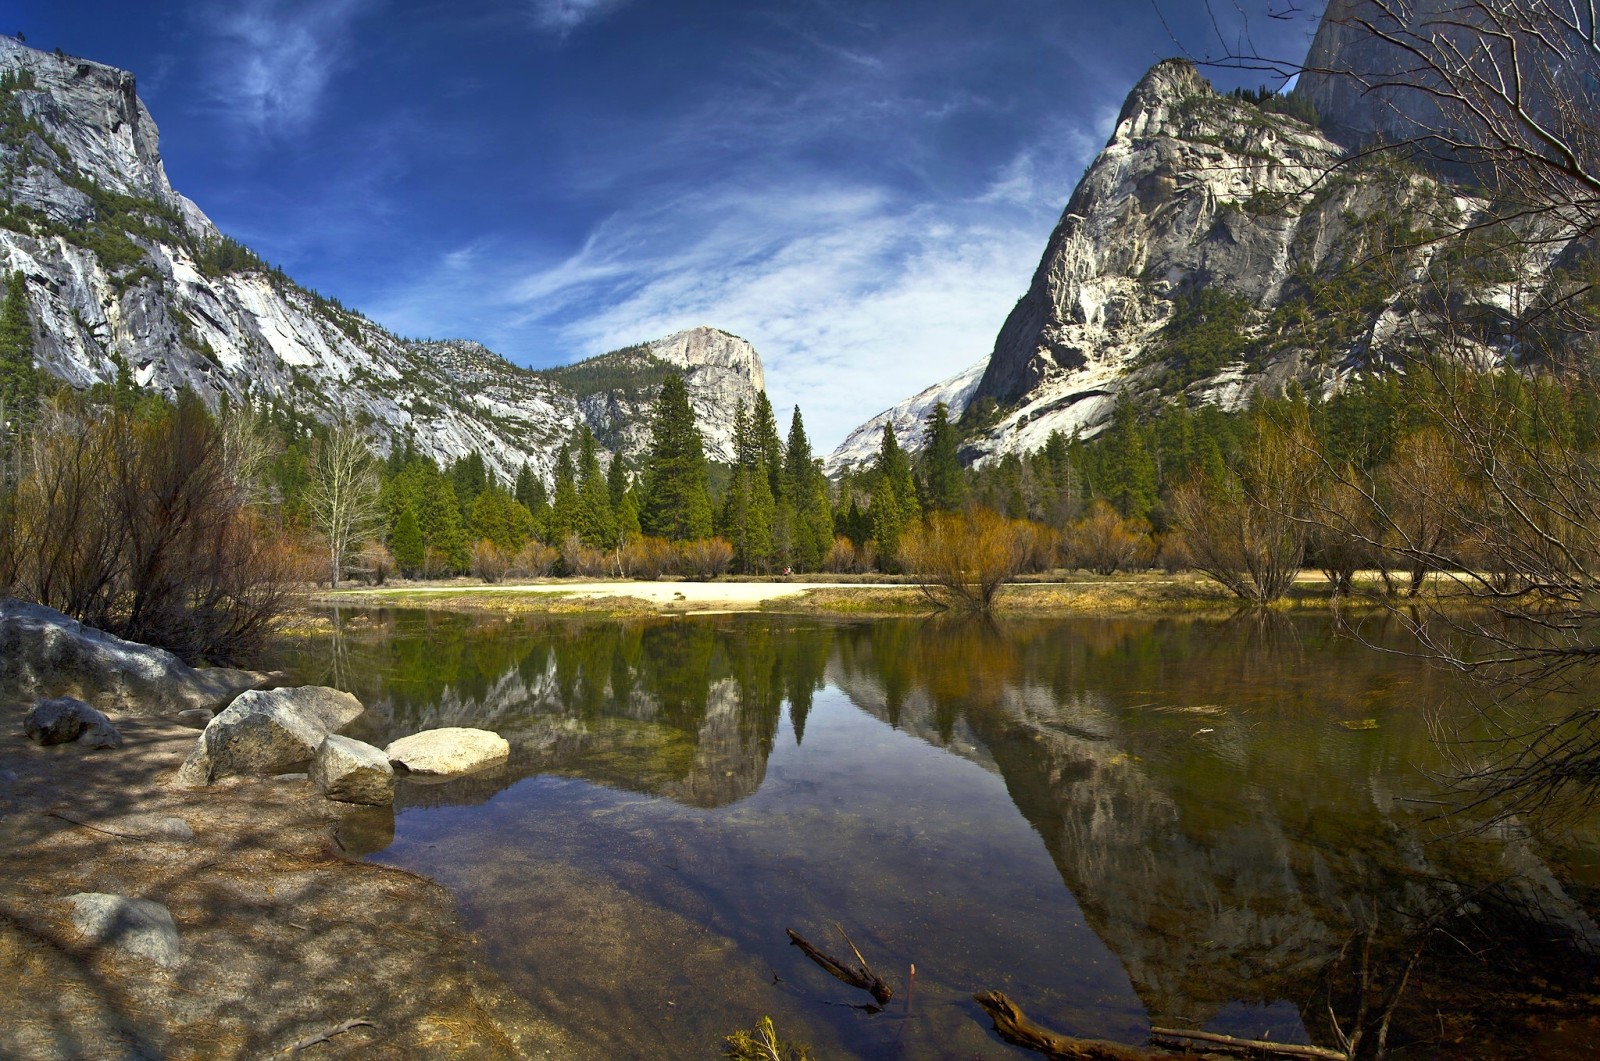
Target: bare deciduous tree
{"x": 342, "y": 497}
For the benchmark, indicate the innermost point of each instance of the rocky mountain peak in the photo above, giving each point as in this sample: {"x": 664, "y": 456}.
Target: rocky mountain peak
{"x": 93, "y": 113}
{"x": 712, "y": 350}
{"x": 1157, "y": 99}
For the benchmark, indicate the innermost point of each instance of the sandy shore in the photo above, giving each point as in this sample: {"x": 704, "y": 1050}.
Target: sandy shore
{"x": 705, "y": 594}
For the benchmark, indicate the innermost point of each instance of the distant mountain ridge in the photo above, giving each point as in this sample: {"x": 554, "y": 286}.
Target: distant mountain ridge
{"x": 127, "y": 277}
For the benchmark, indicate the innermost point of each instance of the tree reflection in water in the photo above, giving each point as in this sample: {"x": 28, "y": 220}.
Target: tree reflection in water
{"x": 1213, "y": 795}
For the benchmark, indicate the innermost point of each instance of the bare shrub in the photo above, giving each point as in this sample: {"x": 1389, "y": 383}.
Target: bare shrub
{"x": 534, "y": 560}
{"x": 705, "y": 558}
{"x": 373, "y": 563}
{"x": 647, "y": 558}
{"x": 132, "y": 522}
{"x": 842, "y": 558}
{"x": 489, "y": 561}
{"x": 1104, "y": 541}
{"x": 1040, "y": 546}
{"x": 1248, "y": 531}
{"x": 962, "y": 559}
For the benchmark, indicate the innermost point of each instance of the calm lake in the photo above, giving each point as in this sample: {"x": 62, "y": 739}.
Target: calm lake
{"x": 1116, "y": 823}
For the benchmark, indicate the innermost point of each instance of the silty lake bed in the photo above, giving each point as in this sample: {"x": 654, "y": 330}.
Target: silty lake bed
{"x": 1118, "y": 823}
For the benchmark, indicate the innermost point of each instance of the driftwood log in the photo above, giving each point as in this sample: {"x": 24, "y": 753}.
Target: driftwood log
{"x": 860, "y": 975}
{"x": 1012, "y": 1025}
{"x": 1249, "y": 1047}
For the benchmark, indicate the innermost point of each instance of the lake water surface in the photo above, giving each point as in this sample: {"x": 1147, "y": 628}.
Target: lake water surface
{"x": 1117, "y": 823}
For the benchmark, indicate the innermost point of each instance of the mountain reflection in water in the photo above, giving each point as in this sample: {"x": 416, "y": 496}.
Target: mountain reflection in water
{"x": 1226, "y": 804}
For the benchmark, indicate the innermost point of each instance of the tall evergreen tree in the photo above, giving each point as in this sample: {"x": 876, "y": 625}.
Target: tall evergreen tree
{"x": 764, "y": 428}
{"x": 597, "y": 524}
{"x": 894, "y": 499}
{"x": 805, "y": 484}
{"x": 943, "y": 484}
{"x": 442, "y": 527}
{"x": 565, "y": 517}
{"x": 1128, "y": 474}
{"x": 624, "y": 505}
{"x": 406, "y": 542}
{"x": 677, "y": 502}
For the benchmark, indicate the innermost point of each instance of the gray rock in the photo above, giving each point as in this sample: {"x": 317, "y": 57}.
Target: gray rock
{"x": 66, "y": 719}
{"x": 448, "y": 752}
{"x": 55, "y": 721}
{"x": 263, "y": 733}
{"x": 196, "y": 717}
{"x": 45, "y": 654}
{"x": 165, "y": 827}
{"x": 139, "y": 927}
{"x": 349, "y": 771}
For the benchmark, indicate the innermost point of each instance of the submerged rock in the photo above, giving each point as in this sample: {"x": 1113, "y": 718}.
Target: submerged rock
{"x": 263, "y": 733}
{"x": 66, "y": 719}
{"x": 349, "y": 771}
{"x": 139, "y": 927}
{"x": 448, "y": 752}
{"x": 43, "y": 653}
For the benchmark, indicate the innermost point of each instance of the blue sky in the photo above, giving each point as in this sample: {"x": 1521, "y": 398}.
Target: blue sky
{"x": 861, "y": 188}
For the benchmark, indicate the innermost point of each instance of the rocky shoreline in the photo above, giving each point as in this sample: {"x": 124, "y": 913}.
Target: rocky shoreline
{"x": 158, "y": 908}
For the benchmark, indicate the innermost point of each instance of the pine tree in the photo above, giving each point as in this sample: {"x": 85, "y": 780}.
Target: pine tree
{"x": 19, "y": 382}
{"x": 406, "y": 542}
{"x": 624, "y": 509}
{"x": 491, "y": 518}
{"x": 597, "y": 525}
{"x": 894, "y": 499}
{"x": 529, "y": 489}
{"x": 1128, "y": 477}
{"x": 442, "y": 530}
{"x": 943, "y": 485}
{"x": 565, "y": 517}
{"x": 677, "y": 503}
{"x": 764, "y": 429}
{"x": 806, "y": 489}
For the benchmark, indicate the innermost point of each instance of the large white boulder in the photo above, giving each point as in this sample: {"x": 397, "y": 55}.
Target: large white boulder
{"x": 448, "y": 752}
{"x": 269, "y": 732}
{"x": 350, "y": 771}
{"x": 45, "y": 654}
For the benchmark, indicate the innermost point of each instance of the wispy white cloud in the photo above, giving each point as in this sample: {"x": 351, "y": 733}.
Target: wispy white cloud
{"x": 564, "y": 16}
{"x": 812, "y": 206}
{"x": 271, "y": 60}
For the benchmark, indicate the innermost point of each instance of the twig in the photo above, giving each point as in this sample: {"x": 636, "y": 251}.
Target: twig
{"x": 862, "y": 977}
{"x": 97, "y": 829}
{"x": 327, "y": 1036}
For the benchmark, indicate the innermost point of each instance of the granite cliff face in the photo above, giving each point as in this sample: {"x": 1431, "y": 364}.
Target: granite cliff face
{"x": 1193, "y": 190}
{"x": 616, "y": 392}
{"x": 1208, "y": 205}
{"x": 127, "y": 278}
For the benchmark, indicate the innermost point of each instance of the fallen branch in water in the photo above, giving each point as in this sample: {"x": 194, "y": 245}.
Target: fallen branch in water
{"x": 327, "y": 1036}
{"x": 1014, "y": 1027}
{"x": 862, "y": 976}
{"x": 1251, "y": 1047}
